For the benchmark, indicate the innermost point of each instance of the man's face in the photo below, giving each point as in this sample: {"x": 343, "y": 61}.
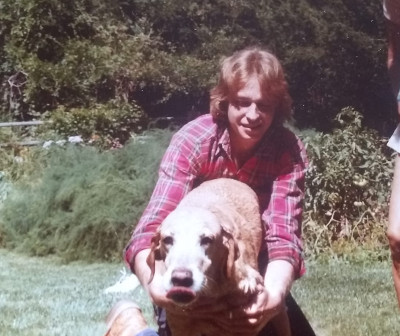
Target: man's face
{"x": 250, "y": 115}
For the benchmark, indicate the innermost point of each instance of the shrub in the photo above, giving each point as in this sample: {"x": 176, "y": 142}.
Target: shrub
{"x": 347, "y": 185}
{"x": 85, "y": 203}
{"x": 104, "y": 124}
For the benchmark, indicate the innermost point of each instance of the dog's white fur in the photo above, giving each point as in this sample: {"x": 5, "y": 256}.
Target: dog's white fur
{"x": 192, "y": 230}
{"x": 209, "y": 245}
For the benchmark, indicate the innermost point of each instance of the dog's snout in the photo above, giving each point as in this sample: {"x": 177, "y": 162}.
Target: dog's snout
{"x": 182, "y": 277}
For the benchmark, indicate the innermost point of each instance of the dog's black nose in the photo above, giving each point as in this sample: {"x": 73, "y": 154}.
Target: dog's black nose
{"x": 182, "y": 277}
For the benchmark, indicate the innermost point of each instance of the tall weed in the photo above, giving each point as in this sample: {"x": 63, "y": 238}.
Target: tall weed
{"x": 86, "y": 202}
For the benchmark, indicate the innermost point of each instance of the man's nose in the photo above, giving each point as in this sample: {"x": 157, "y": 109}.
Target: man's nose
{"x": 252, "y": 112}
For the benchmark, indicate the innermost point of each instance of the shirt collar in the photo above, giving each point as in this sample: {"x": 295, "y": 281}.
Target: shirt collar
{"x": 224, "y": 143}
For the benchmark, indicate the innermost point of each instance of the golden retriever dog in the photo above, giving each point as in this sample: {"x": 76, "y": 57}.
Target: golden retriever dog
{"x": 209, "y": 246}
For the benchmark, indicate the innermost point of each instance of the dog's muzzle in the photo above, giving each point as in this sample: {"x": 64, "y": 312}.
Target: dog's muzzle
{"x": 181, "y": 291}
{"x": 182, "y": 277}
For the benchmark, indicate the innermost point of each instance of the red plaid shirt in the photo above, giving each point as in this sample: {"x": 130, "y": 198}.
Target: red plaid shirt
{"x": 200, "y": 151}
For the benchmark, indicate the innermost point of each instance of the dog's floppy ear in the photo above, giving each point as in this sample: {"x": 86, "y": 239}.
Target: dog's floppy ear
{"x": 233, "y": 252}
{"x": 226, "y": 218}
{"x": 155, "y": 254}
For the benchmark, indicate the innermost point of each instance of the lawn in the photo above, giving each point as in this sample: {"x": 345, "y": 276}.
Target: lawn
{"x": 349, "y": 298}
{"x": 42, "y": 296}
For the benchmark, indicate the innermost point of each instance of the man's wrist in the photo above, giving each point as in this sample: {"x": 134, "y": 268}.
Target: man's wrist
{"x": 142, "y": 270}
{"x": 279, "y": 277}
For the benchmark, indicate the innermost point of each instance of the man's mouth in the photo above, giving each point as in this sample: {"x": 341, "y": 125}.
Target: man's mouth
{"x": 251, "y": 127}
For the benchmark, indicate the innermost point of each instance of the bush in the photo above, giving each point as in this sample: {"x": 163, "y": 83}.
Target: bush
{"x": 105, "y": 124}
{"x": 347, "y": 186}
{"x": 85, "y": 203}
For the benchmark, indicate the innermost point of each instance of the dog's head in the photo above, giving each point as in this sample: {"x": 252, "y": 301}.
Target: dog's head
{"x": 197, "y": 250}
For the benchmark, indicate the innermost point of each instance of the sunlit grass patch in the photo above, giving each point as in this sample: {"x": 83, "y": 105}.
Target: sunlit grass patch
{"x": 41, "y": 296}
{"x": 350, "y": 298}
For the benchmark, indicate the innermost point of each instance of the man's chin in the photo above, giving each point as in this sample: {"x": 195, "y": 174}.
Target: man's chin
{"x": 251, "y": 134}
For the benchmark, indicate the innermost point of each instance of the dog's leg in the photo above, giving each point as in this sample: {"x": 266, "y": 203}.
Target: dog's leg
{"x": 248, "y": 278}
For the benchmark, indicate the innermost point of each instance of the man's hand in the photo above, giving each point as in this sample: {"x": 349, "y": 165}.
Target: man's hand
{"x": 250, "y": 319}
{"x": 154, "y": 288}
{"x": 270, "y": 298}
{"x": 265, "y": 306}
{"x": 268, "y": 301}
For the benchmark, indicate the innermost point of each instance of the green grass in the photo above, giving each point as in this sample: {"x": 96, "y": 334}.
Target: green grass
{"x": 349, "y": 298}
{"x": 42, "y": 296}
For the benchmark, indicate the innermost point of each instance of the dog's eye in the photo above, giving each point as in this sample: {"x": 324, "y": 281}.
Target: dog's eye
{"x": 206, "y": 241}
{"x": 168, "y": 240}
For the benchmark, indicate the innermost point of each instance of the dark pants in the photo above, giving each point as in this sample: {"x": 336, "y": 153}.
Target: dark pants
{"x": 298, "y": 322}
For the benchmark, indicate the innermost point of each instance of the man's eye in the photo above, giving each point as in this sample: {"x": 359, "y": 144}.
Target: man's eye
{"x": 242, "y": 103}
{"x": 264, "y": 107}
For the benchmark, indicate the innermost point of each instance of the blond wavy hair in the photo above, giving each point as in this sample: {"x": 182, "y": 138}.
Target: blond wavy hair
{"x": 237, "y": 69}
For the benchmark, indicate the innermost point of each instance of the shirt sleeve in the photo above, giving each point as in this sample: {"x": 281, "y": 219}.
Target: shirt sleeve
{"x": 176, "y": 176}
{"x": 283, "y": 215}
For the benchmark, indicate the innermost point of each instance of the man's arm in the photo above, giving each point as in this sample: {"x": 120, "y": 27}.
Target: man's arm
{"x": 392, "y": 12}
{"x": 283, "y": 216}
{"x": 176, "y": 176}
{"x": 270, "y": 301}
{"x": 141, "y": 269}
{"x": 282, "y": 220}
{"x": 154, "y": 289}
{"x": 278, "y": 279}
{"x": 393, "y": 60}
{"x": 393, "y": 232}
{"x": 393, "y": 55}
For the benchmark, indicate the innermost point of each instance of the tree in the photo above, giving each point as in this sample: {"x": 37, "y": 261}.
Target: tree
{"x": 164, "y": 54}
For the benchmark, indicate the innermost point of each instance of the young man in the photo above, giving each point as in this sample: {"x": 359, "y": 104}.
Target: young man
{"x": 242, "y": 138}
{"x": 392, "y": 14}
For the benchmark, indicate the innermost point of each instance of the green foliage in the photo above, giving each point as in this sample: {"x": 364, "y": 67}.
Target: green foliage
{"x": 19, "y": 163}
{"x": 86, "y": 202}
{"x": 87, "y": 52}
{"x": 105, "y": 124}
{"x": 164, "y": 54}
{"x": 79, "y": 202}
{"x": 347, "y": 187}
{"x": 333, "y": 51}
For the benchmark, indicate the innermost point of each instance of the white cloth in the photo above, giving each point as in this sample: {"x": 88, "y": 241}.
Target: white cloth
{"x": 394, "y": 141}
{"x": 391, "y": 10}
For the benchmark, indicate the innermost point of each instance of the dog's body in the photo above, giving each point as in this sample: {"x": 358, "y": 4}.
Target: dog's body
{"x": 210, "y": 244}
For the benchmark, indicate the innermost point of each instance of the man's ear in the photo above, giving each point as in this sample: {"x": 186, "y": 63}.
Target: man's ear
{"x": 155, "y": 254}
